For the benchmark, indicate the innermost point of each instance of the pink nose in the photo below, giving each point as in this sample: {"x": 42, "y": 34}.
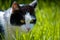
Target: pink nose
{"x": 28, "y": 29}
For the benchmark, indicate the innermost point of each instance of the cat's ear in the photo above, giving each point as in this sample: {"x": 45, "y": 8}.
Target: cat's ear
{"x": 15, "y": 6}
{"x": 33, "y": 4}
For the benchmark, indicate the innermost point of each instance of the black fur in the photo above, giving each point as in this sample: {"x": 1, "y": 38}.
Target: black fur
{"x": 18, "y": 15}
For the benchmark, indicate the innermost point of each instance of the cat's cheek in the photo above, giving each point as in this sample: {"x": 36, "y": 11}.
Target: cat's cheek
{"x": 25, "y": 28}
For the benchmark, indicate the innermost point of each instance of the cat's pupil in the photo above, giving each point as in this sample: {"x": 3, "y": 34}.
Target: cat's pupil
{"x": 33, "y": 21}
{"x": 22, "y": 21}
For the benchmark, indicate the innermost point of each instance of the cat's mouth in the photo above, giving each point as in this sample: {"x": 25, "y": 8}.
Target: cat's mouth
{"x": 28, "y": 27}
{"x": 25, "y": 27}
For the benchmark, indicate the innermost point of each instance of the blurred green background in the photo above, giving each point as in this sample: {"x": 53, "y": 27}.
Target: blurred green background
{"x": 48, "y": 19}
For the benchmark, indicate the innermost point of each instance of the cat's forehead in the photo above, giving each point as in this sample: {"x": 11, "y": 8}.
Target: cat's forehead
{"x": 26, "y": 7}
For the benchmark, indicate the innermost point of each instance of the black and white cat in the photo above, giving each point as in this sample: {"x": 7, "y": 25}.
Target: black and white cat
{"x": 20, "y": 16}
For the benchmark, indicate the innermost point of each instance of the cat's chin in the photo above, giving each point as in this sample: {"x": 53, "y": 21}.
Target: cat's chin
{"x": 23, "y": 27}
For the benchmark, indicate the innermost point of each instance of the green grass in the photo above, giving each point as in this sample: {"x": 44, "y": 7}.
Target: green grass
{"x": 47, "y": 26}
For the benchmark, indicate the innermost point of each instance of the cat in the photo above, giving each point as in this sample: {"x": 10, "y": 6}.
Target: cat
{"x": 20, "y": 16}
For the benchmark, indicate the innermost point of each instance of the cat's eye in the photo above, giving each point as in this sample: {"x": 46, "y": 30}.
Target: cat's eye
{"x": 31, "y": 20}
{"x": 22, "y": 21}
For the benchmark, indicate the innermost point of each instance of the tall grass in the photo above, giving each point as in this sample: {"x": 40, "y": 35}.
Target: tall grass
{"x": 47, "y": 26}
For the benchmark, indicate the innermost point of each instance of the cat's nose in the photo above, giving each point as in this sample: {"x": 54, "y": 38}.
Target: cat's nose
{"x": 28, "y": 29}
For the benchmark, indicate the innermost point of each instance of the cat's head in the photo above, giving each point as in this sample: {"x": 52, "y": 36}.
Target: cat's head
{"x": 23, "y": 15}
